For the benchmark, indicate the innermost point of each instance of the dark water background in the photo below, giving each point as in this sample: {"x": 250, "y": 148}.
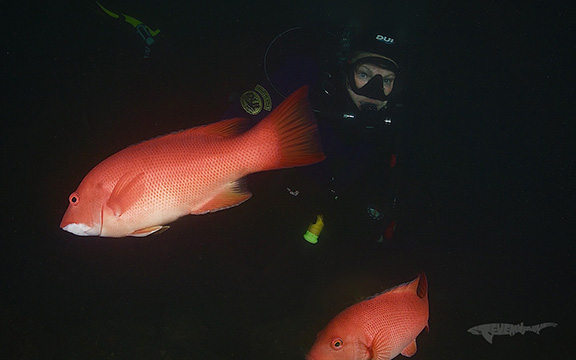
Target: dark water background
{"x": 495, "y": 78}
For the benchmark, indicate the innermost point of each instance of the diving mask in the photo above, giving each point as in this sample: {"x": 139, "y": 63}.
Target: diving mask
{"x": 374, "y": 88}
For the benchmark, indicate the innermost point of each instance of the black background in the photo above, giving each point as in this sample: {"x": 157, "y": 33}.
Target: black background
{"x": 495, "y": 79}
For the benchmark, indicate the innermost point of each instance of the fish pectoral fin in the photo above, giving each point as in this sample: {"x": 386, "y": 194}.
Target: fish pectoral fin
{"x": 409, "y": 350}
{"x": 233, "y": 194}
{"x": 149, "y": 230}
{"x": 381, "y": 347}
{"x": 126, "y": 192}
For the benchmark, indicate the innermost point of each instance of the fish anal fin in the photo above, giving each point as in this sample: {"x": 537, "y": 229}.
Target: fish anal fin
{"x": 150, "y": 230}
{"x": 409, "y": 350}
{"x": 381, "y": 349}
{"x": 126, "y": 192}
{"x": 233, "y": 194}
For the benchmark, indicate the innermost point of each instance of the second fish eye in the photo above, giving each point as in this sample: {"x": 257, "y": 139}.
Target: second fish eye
{"x": 337, "y": 344}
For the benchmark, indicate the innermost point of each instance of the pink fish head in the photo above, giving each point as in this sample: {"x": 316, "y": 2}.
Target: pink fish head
{"x": 84, "y": 214}
{"x": 339, "y": 341}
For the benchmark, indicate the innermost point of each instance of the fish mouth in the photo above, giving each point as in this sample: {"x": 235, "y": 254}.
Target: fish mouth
{"x": 81, "y": 229}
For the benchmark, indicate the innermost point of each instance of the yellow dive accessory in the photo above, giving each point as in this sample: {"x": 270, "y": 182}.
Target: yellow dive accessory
{"x": 314, "y": 230}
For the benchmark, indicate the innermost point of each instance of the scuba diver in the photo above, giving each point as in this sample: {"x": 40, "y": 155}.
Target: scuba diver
{"x": 143, "y": 30}
{"x": 356, "y": 91}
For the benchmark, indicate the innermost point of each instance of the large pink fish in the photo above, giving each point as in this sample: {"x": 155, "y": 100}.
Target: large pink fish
{"x": 378, "y": 328}
{"x": 140, "y": 189}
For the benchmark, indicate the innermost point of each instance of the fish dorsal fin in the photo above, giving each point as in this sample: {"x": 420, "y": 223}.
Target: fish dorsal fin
{"x": 381, "y": 346}
{"x": 234, "y": 193}
{"x": 225, "y": 128}
{"x": 419, "y": 286}
{"x": 126, "y": 192}
{"x": 410, "y": 349}
{"x": 396, "y": 289}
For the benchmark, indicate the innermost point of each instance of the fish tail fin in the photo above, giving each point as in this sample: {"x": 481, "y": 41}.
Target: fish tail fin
{"x": 291, "y": 129}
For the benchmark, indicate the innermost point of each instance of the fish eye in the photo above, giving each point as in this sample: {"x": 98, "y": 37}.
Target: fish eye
{"x": 337, "y": 344}
{"x": 74, "y": 198}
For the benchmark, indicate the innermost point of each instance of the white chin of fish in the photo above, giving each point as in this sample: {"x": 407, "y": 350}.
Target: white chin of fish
{"x": 82, "y": 230}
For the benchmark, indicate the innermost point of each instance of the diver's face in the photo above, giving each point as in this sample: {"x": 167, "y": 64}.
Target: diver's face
{"x": 364, "y": 73}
